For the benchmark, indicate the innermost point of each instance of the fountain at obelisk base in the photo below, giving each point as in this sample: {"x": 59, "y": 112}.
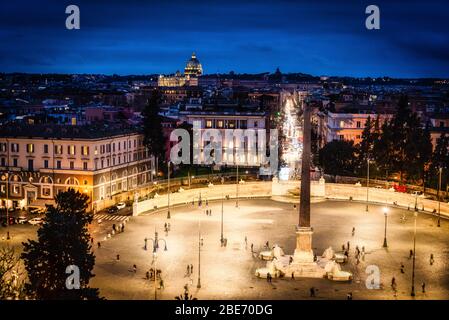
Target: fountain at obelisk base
{"x": 304, "y": 263}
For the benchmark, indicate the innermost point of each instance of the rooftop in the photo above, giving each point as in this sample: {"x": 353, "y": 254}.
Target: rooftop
{"x": 53, "y": 131}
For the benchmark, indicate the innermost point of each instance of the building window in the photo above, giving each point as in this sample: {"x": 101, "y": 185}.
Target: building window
{"x": 45, "y": 148}
{"x": 441, "y": 124}
{"x": 16, "y": 189}
{"x": 359, "y": 125}
{"x": 341, "y": 136}
{"x": 58, "y": 149}
{"x": 243, "y": 124}
{"x": 58, "y": 164}
{"x": 113, "y": 147}
{"x": 46, "y": 164}
{"x": 3, "y": 162}
{"x": 85, "y": 165}
{"x": 231, "y": 124}
{"x": 256, "y": 124}
{"x": 71, "y": 150}
{"x": 96, "y": 151}
{"x": 14, "y": 147}
{"x": 342, "y": 124}
{"x": 30, "y": 148}
{"x": 72, "y": 165}
{"x": 85, "y": 150}
{"x": 3, "y": 147}
{"x": 14, "y": 162}
{"x": 46, "y": 191}
{"x": 30, "y": 165}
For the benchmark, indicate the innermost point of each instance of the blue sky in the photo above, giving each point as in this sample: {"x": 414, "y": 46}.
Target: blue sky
{"x": 141, "y": 37}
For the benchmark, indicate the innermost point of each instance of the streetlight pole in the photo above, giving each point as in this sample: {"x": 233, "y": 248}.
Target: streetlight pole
{"x": 168, "y": 191}
{"x": 438, "y": 196}
{"x": 200, "y": 244}
{"x": 237, "y": 186}
{"x": 222, "y": 204}
{"x": 155, "y": 241}
{"x": 367, "y": 183}
{"x": 414, "y": 256}
{"x": 385, "y": 235}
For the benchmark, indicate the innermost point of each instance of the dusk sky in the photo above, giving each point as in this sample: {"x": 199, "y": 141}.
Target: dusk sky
{"x": 143, "y": 37}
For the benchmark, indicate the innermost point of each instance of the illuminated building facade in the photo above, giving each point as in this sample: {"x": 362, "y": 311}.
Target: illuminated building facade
{"x": 37, "y": 162}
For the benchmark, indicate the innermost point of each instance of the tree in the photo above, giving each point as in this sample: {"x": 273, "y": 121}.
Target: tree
{"x": 337, "y": 157}
{"x": 63, "y": 240}
{"x": 154, "y": 138}
{"x": 440, "y": 159}
{"x": 11, "y": 278}
{"x": 366, "y": 146}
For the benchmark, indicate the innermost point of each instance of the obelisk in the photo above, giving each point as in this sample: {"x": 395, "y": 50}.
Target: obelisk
{"x": 303, "y": 252}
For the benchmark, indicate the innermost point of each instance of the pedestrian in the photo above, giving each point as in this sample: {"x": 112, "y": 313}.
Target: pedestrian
{"x": 123, "y": 228}
{"x": 210, "y": 212}
{"x": 402, "y": 267}
{"x": 312, "y": 292}
{"x": 363, "y": 249}
{"x": 411, "y": 254}
{"x": 134, "y": 268}
{"x": 91, "y": 240}
{"x": 431, "y": 259}
{"x": 268, "y": 277}
{"x": 252, "y": 247}
{"x": 423, "y": 286}
{"x": 99, "y": 244}
{"x": 290, "y": 260}
{"x": 343, "y": 248}
{"x": 349, "y": 296}
{"x": 169, "y": 227}
{"x": 353, "y": 231}
{"x": 246, "y": 241}
{"x": 267, "y": 245}
{"x": 315, "y": 258}
{"x": 393, "y": 282}
{"x": 348, "y": 245}
{"x": 147, "y": 275}
{"x": 346, "y": 253}
{"x": 161, "y": 284}
{"x": 188, "y": 269}
{"x": 118, "y": 257}
{"x": 191, "y": 268}
{"x": 207, "y": 202}
{"x": 113, "y": 227}
{"x": 293, "y": 275}
{"x": 357, "y": 251}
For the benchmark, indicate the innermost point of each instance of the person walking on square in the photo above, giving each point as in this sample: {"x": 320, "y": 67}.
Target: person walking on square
{"x": 431, "y": 259}
{"x": 348, "y": 245}
{"x": 312, "y": 292}
{"x": 353, "y": 231}
{"x": 402, "y": 268}
{"x": 191, "y": 268}
{"x": 134, "y": 268}
{"x": 423, "y": 286}
{"x": 188, "y": 269}
{"x": 252, "y": 247}
{"x": 99, "y": 244}
{"x": 411, "y": 254}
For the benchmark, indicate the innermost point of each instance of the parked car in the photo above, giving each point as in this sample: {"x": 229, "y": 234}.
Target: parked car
{"x": 121, "y": 205}
{"x": 22, "y": 220}
{"x": 36, "y": 221}
{"x": 112, "y": 209}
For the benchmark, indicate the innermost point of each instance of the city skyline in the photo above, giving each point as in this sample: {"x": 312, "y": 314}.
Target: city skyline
{"x": 245, "y": 37}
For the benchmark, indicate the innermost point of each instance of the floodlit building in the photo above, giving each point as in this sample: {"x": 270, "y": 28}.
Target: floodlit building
{"x": 109, "y": 164}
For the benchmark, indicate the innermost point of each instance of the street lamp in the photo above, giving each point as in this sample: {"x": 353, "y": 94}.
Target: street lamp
{"x": 168, "y": 192}
{"x": 237, "y": 186}
{"x": 222, "y": 204}
{"x": 438, "y": 196}
{"x": 200, "y": 244}
{"x": 414, "y": 255}
{"x": 155, "y": 241}
{"x": 367, "y": 182}
{"x": 385, "y": 210}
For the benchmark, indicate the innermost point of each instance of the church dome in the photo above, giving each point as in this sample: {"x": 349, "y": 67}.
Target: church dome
{"x": 193, "y": 66}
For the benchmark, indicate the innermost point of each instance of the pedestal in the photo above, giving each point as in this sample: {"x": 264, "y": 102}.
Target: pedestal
{"x": 303, "y": 264}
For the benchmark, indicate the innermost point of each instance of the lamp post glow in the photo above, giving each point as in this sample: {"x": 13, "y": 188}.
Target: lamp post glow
{"x": 414, "y": 256}
{"x": 385, "y": 210}
{"x": 155, "y": 249}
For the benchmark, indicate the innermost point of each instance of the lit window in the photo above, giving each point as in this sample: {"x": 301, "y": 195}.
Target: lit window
{"x": 208, "y": 123}
{"x": 71, "y": 150}
{"x": 58, "y": 149}
{"x": 30, "y": 148}
{"x": 85, "y": 150}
